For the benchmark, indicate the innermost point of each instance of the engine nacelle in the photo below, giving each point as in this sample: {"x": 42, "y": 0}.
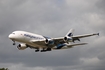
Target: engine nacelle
{"x": 22, "y": 46}
{"x": 49, "y": 41}
{"x": 68, "y": 39}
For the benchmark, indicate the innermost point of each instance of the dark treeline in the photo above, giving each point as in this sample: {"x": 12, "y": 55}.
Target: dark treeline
{"x": 4, "y": 69}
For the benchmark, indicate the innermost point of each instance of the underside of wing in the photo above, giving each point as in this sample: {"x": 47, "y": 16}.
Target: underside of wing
{"x": 59, "y": 40}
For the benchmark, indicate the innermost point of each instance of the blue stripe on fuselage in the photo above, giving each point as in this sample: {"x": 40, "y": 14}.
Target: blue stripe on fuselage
{"x": 30, "y": 36}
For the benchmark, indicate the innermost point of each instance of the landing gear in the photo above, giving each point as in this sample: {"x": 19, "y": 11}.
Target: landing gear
{"x": 48, "y": 49}
{"x": 14, "y": 43}
{"x": 37, "y": 50}
{"x": 43, "y": 50}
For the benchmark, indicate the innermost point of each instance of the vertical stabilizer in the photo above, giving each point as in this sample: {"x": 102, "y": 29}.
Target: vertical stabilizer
{"x": 70, "y": 33}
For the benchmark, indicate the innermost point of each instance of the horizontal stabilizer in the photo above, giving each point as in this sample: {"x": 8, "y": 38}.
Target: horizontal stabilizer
{"x": 71, "y": 45}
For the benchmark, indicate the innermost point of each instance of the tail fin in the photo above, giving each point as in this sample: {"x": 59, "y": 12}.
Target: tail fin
{"x": 70, "y": 33}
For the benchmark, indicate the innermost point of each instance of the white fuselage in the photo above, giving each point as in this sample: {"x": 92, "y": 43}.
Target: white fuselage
{"x": 26, "y": 37}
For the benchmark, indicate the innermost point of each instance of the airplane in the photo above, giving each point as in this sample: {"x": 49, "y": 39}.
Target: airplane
{"x": 42, "y": 43}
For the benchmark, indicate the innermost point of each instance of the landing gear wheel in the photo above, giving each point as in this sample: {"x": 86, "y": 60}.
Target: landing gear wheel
{"x": 14, "y": 43}
{"x": 43, "y": 51}
{"x": 37, "y": 50}
{"x": 48, "y": 49}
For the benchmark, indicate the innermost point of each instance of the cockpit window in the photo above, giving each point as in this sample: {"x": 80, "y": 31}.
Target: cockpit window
{"x": 13, "y": 33}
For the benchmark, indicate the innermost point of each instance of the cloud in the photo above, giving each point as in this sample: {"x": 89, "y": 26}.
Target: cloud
{"x": 47, "y": 18}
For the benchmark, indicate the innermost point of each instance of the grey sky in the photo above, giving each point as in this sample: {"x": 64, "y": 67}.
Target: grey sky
{"x": 53, "y": 18}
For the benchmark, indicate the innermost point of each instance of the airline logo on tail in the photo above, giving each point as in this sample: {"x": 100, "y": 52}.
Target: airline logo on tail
{"x": 70, "y": 34}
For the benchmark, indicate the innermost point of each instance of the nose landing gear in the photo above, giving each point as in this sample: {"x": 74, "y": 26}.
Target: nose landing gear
{"x": 14, "y": 42}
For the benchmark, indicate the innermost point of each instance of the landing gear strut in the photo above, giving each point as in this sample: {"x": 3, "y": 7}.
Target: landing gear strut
{"x": 14, "y": 42}
{"x": 43, "y": 50}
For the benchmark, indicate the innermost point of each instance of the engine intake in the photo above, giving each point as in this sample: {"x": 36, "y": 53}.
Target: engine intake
{"x": 49, "y": 41}
{"x": 68, "y": 39}
{"x": 22, "y": 46}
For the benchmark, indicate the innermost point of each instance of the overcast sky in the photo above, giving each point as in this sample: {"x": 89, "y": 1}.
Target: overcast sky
{"x": 53, "y": 18}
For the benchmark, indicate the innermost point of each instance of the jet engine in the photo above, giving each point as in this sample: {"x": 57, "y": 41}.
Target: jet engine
{"x": 49, "y": 41}
{"x": 22, "y": 46}
{"x": 68, "y": 39}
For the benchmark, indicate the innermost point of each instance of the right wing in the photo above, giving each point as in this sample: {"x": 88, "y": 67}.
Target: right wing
{"x": 67, "y": 46}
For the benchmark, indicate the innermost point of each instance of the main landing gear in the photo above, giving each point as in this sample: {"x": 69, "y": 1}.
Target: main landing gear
{"x": 40, "y": 50}
{"x": 37, "y": 50}
{"x": 14, "y": 43}
{"x": 43, "y": 50}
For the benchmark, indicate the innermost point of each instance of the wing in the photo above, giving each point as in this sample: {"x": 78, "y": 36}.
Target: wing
{"x": 67, "y": 46}
{"x": 41, "y": 43}
{"x": 61, "y": 39}
{"x": 86, "y": 35}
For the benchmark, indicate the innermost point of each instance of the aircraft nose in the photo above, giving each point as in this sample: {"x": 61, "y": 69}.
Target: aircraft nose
{"x": 10, "y": 36}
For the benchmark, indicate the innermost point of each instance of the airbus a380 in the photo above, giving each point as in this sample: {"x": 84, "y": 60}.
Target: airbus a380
{"x": 43, "y": 43}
